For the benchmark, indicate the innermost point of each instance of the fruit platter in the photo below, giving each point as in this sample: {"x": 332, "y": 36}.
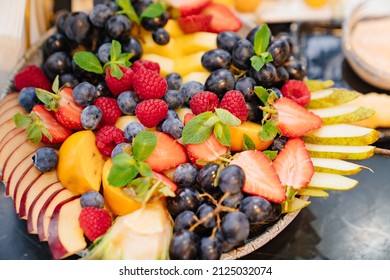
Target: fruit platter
{"x": 171, "y": 125}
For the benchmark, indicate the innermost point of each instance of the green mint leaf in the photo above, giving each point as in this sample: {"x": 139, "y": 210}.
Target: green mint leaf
{"x": 261, "y": 41}
{"x": 270, "y": 154}
{"x": 247, "y": 143}
{"x": 21, "y": 120}
{"x": 33, "y": 132}
{"x": 144, "y": 144}
{"x": 141, "y": 187}
{"x": 49, "y": 99}
{"x": 128, "y": 10}
{"x": 124, "y": 160}
{"x": 124, "y": 59}
{"x": 227, "y": 118}
{"x": 267, "y": 57}
{"x": 268, "y": 131}
{"x": 56, "y": 84}
{"x": 257, "y": 62}
{"x": 115, "y": 50}
{"x": 212, "y": 121}
{"x": 195, "y": 131}
{"x": 121, "y": 175}
{"x": 116, "y": 72}
{"x": 88, "y": 61}
{"x": 144, "y": 169}
{"x": 262, "y": 94}
{"x": 222, "y": 133}
{"x": 152, "y": 11}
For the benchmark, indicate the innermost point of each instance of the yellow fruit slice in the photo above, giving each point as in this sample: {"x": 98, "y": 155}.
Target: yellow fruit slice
{"x": 196, "y": 42}
{"x": 251, "y": 129}
{"x": 173, "y": 28}
{"x": 247, "y": 6}
{"x": 167, "y": 65}
{"x": 190, "y": 63}
{"x": 171, "y": 50}
{"x": 200, "y": 77}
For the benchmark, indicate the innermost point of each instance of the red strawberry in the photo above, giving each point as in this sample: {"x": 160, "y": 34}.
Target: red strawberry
{"x": 152, "y": 111}
{"x": 223, "y": 19}
{"x": 108, "y": 137}
{"x": 69, "y": 112}
{"x": 140, "y": 64}
{"x": 195, "y": 23}
{"x": 191, "y": 7}
{"x": 294, "y": 120}
{"x": 293, "y": 164}
{"x": 31, "y": 76}
{"x": 94, "y": 222}
{"x": 204, "y": 101}
{"x": 234, "y": 102}
{"x": 110, "y": 109}
{"x": 168, "y": 153}
{"x": 297, "y": 91}
{"x": 260, "y": 176}
{"x": 149, "y": 84}
{"x": 161, "y": 176}
{"x": 117, "y": 86}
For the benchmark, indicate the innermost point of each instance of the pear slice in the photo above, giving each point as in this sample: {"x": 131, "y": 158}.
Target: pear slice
{"x": 331, "y": 97}
{"x": 340, "y": 151}
{"x": 336, "y": 166}
{"x": 331, "y": 182}
{"x": 315, "y": 85}
{"x": 294, "y": 205}
{"x": 342, "y": 134}
{"x": 313, "y": 192}
{"x": 343, "y": 114}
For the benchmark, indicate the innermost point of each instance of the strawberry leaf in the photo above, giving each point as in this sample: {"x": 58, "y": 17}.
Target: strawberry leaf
{"x": 248, "y": 143}
{"x": 144, "y": 144}
{"x": 49, "y": 99}
{"x": 261, "y": 41}
{"x": 56, "y": 84}
{"x": 152, "y": 11}
{"x": 46, "y": 132}
{"x": 144, "y": 169}
{"x": 196, "y": 131}
{"x": 270, "y": 154}
{"x": 34, "y": 134}
{"x": 268, "y": 131}
{"x": 227, "y": 118}
{"x": 128, "y": 10}
{"x": 21, "y": 120}
{"x": 88, "y": 61}
{"x": 222, "y": 133}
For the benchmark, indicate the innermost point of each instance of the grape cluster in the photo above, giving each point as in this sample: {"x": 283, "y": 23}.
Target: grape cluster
{"x": 212, "y": 215}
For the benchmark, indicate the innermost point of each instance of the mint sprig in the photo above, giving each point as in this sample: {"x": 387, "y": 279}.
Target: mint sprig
{"x": 199, "y": 129}
{"x": 247, "y": 143}
{"x": 260, "y": 46}
{"x": 153, "y": 10}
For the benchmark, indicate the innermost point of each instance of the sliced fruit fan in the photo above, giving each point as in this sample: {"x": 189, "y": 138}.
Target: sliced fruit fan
{"x": 155, "y": 131}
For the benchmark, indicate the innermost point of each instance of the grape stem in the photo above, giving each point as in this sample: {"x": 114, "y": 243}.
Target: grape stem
{"x": 380, "y": 151}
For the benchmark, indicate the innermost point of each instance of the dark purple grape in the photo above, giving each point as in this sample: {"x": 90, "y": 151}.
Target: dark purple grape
{"x": 233, "y": 200}
{"x": 241, "y": 54}
{"x": 58, "y": 63}
{"x": 132, "y": 45}
{"x": 189, "y": 89}
{"x": 56, "y": 43}
{"x": 68, "y": 80}
{"x": 295, "y": 69}
{"x": 59, "y": 19}
{"x": 152, "y": 24}
{"x": 254, "y": 112}
{"x": 77, "y": 27}
{"x": 206, "y": 177}
{"x": 276, "y": 212}
{"x": 282, "y": 75}
{"x": 279, "y": 143}
{"x": 235, "y": 227}
{"x": 246, "y": 86}
{"x": 256, "y": 209}
{"x": 184, "y": 245}
{"x": 185, "y": 220}
{"x": 220, "y": 81}
{"x": 185, "y": 199}
{"x": 227, "y": 39}
{"x": 265, "y": 76}
{"x": 160, "y": 36}
{"x": 210, "y": 248}
{"x": 231, "y": 179}
{"x": 216, "y": 59}
{"x": 251, "y": 35}
{"x": 280, "y": 51}
{"x": 118, "y": 26}
{"x": 206, "y": 212}
{"x": 100, "y": 14}
{"x": 141, "y": 5}
{"x": 185, "y": 174}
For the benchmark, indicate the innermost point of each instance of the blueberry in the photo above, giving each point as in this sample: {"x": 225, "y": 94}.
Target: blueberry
{"x": 132, "y": 45}
{"x": 132, "y": 129}
{"x": 227, "y": 39}
{"x": 189, "y": 89}
{"x": 174, "y": 80}
{"x": 91, "y": 117}
{"x": 256, "y": 209}
{"x": 120, "y": 149}
{"x": 102, "y": 89}
{"x": 231, "y": 179}
{"x": 100, "y": 14}
{"x": 161, "y": 36}
{"x": 210, "y": 248}
{"x": 173, "y": 127}
{"x": 58, "y": 63}
{"x": 118, "y": 26}
{"x": 172, "y": 115}
{"x": 77, "y": 27}
{"x": 216, "y": 59}
{"x": 185, "y": 174}
{"x": 174, "y": 99}
{"x": 92, "y": 199}
{"x": 45, "y": 159}
{"x": 68, "y": 80}
{"x": 242, "y": 53}
{"x": 266, "y": 77}
{"x": 246, "y": 85}
{"x": 56, "y": 43}
{"x": 28, "y": 98}
{"x": 220, "y": 81}
{"x": 280, "y": 51}
{"x": 127, "y": 101}
{"x": 84, "y": 94}
{"x": 103, "y": 53}
{"x": 152, "y": 24}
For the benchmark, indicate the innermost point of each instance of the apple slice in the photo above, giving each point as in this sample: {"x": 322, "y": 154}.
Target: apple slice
{"x": 6, "y": 127}
{"x": 23, "y": 183}
{"x": 9, "y": 103}
{"x": 336, "y": 166}
{"x": 313, "y": 192}
{"x": 37, "y": 204}
{"x": 11, "y": 145}
{"x": 340, "y": 151}
{"x": 332, "y": 182}
{"x": 34, "y": 189}
{"x": 331, "y": 97}
{"x": 9, "y": 97}
{"x": 9, "y": 136}
{"x": 19, "y": 172}
{"x": 343, "y": 114}
{"x": 65, "y": 235}
{"x": 10, "y": 112}
{"x": 342, "y": 134}
{"x": 47, "y": 210}
{"x": 24, "y": 150}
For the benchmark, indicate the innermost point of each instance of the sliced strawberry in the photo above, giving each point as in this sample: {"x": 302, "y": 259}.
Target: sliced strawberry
{"x": 190, "y": 7}
{"x": 195, "y": 23}
{"x": 294, "y": 120}
{"x": 260, "y": 176}
{"x": 293, "y": 164}
{"x": 69, "y": 112}
{"x": 168, "y": 153}
{"x": 223, "y": 19}
{"x": 172, "y": 186}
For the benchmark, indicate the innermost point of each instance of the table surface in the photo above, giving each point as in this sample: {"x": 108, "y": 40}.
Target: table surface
{"x": 346, "y": 225}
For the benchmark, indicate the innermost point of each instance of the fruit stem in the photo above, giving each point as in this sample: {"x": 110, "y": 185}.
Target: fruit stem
{"x": 151, "y": 192}
{"x": 268, "y": 110}
{"x": 381, "y": 151}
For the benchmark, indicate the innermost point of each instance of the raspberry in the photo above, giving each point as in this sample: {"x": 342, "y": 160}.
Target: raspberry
{"x": 149, "y": 84}
{"x": 108, "y": 137}
{"x": 32, "y": 76}
{"x": 117, "y": 86}
{"x": 234, "y": 102}
{"x": 110, "y": 109}
{"x": 140, "y": 64}
{"x": 151, "y": 112}
{"x": 94, "y": 222}
{"x": 297, "y": 91}
{"x": 204, "y": 101}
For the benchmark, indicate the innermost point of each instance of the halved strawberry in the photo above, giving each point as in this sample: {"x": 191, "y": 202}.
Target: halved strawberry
{"x": 294, "y": 120}
{"x": 159, "y": 176}
{"x": 168, "y": 153}
{"x": 293, "y": 164}
{"x": 190, "y": 7}
{"x": 223, "y": 19}
{"x": 195, "y": 23}
{"x": 260, "y": 176}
